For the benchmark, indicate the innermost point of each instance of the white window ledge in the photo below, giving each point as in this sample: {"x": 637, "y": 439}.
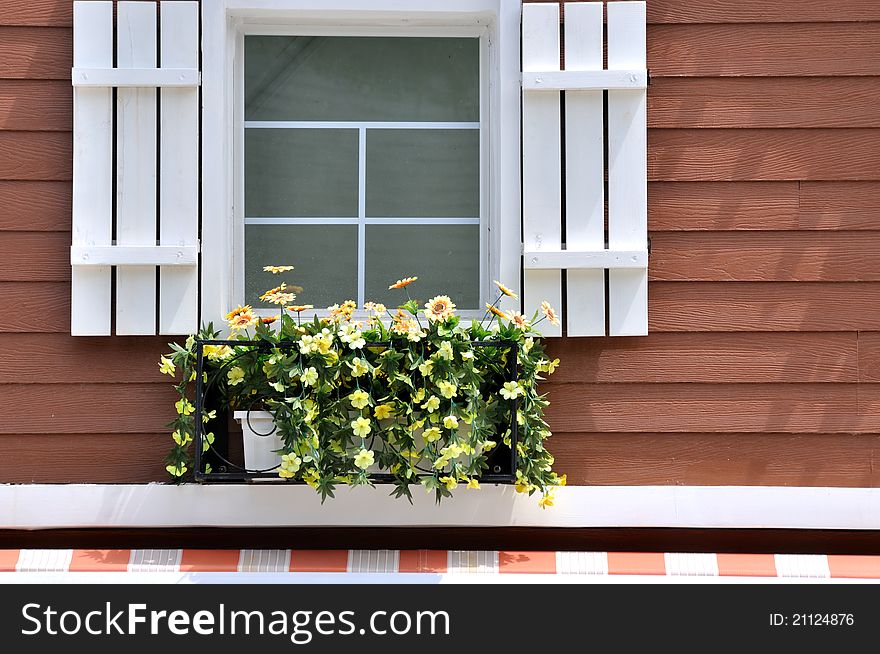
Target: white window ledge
{"x": 39, "y": 506}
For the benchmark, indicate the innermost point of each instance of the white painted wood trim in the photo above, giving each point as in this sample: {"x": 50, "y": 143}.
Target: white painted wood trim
{"x": 41, "y": 506}
{"x": 92, "y": 205}
{"x": 584, "y": 80}
{"x": 224, "y": 22}
{"x": 584, "y": 259}
{"x": 134, "y": 255}
{"x": 584, "y": 170}
{"x": 135, "y": 77}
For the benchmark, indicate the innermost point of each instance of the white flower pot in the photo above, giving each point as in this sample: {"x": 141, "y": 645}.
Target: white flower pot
{"x": 261, "y": 439}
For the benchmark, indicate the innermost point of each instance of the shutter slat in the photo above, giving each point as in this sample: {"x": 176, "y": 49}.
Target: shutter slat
{"x": 136, "y": 168}
{"x": 584, "y": 170}
{"x": 179, "y": 169}
{"x": 92, "y": 169}
{"x": 541, "y": 159}
{"x": 627, "y": 171}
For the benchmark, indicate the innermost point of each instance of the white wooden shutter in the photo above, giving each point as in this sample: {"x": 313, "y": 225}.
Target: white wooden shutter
{"x": 586, "y": 248}
{"x": 155, "y": 171}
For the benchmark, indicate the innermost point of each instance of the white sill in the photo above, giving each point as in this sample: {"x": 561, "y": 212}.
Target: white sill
{"x": 41, "y": 506}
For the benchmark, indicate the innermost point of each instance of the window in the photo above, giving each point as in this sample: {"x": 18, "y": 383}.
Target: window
{"x": 362, "y": 165}
{"x": 361, "y": 146}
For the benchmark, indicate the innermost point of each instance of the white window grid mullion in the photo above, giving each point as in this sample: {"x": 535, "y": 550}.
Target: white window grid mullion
{"x": 319, "y": 220}
{"x": 355, "y": 124}
{"x": 362, "y": 214}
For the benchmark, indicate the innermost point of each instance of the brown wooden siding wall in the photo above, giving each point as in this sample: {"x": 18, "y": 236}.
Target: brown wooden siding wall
{"x": 762, "y": 363}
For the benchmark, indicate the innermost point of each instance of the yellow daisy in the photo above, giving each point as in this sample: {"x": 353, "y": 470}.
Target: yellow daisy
{"x": 277, "y": 269}
{"x": 505, "y": 290}
{"x": 400, "y": 283}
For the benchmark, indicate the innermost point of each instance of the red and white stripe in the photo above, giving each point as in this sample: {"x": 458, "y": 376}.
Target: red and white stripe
{"x": 445, "y": 562}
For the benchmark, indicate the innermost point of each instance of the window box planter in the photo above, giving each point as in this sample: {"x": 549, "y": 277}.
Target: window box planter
{"x": 420, "y": 400}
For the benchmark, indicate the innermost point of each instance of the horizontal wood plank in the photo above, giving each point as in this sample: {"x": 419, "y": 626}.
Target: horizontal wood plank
{"x": 34, "y": 307}
{"x": 839, "y": 205}
{"x": 45, "y": 156}
{"x": 698, "y": 358}
{"x": 60, "y": 358}
{"x": 36, "y": 105}
{"x": 88, "y": 408}
{"x": 763, "y": 307}
{"x": 723, "y": 206}
{"x": 88, "y": 458}
{"x": 765, "y": 256}
{"x": 36, "y": 52}
{"x": 768, "y": 206}
{"x": 764, "y": 50}
{"x": 35, "y": 257}
{"x": 837, "y": 460}
{"x": 764, "y": 102}
{"x": 46, "y": 13}
{"x": 763, "y": 154}
{"x": 869, "y": 357}
{"x": 711, "y": 408}
{"x": 35, "y": 206}
{"x": 759, "y": 11}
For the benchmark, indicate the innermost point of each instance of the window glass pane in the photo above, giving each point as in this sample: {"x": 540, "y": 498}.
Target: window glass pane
{"x": 325, "y": 260}
{"x": 423, "y": 173}
{"x": 445, "y": 258}
{"x": 361, "y": 78}
{"x": 301, "y": 172}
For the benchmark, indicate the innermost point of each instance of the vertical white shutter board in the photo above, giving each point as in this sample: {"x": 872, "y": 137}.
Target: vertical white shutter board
{"x": 584, "y": 170}
{"x": 627, "y": 170}
{"x": 179, "y": 168}
{"x": 92, "y": 168}
{"x": 541, "y": 159}
{"x": 136, "y": 168}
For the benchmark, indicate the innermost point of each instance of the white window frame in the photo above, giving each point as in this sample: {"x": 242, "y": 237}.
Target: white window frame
{"x": 224, "y": 24}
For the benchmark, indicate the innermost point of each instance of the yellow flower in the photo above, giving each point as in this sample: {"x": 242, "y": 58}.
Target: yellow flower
{"x": 496, "y": 311}
{"x": 488, "y": 445}
{"x": 528, "y": 344}
{"x": 311, "y": 478}
{"x": 290, "y": 463}
{"x": 359, "y": 399}
{"x": 361, "y": 427}
{"x": 450, "y": 422}
{"x": 473, "y": 483}
{"x": 522, "y": 486}
{"x": 520, "y": 320}
{"x": 447, "y": 389}
{"x": 432, "y": 404}
{"x": 431, "y": 434}
{"x": 278, "y": 386}
{"x": 400, "y": 283}
{"x": 547, "y": 366}
{"x": 184, "y": 407}
{"x": 297, "y": 308}
{"x": 375, "y": 307}
{"x": 176, "y": 470}
{"x": 549, "y": 313}
{"x": 511, "y": 390}
{"x": 445, "y": 351}
{"x": 218, "y": 352}
{"x": 439, "y": 308}
{"x": 358, "y": 367}
{"x": 309, "y": 376}
{"x": 383, "y": 411}
{"x": 277, "y": 295}
{"x": 426, "y": 368}
{"x": 181, "y": 439}
{"x": 505, "y": 290}
{"x": 364, "y": 459}
{"x": 241, "y": 318}
{"x": 235, "y": 376}
{"x": 419, "y": 395}
{"x": 166, "y": 366}
{"x": 450, "y": 482}
{"x": 277, "y": 269}
{"x": 547, "y": 500}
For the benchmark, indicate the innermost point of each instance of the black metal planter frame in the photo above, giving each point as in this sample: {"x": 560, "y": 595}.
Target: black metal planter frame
{"x": 502, "y": 459}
